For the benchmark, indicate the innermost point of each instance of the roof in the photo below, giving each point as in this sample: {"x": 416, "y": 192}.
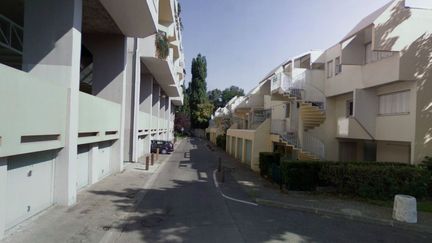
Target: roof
{"x": 367, "y": 21}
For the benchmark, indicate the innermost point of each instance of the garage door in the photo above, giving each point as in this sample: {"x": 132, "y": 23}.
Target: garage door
{"x": 29, "y": 185}
{"x": 248, "y": 152}
{"x": 82, "y": 166}
{"x": 103, "y": 163}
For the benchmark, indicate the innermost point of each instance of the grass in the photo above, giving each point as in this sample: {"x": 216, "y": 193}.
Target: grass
{"x": 422, "y": 206}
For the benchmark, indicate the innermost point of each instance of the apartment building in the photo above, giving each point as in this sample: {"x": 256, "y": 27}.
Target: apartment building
{"x": 222, "y": 118}
{"x": 367, "y": 98}
{"x": 85, "y": 86}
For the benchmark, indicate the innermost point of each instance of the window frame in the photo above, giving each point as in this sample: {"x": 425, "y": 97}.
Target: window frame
{"x": 330, "y": 68}
{"x": 389, "y": 95}
{"x": 337, "y": 65}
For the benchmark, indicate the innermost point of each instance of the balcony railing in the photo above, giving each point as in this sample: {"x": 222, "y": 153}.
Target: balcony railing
{"x": 11, "y": 35}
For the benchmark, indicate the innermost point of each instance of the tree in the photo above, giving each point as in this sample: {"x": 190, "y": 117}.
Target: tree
{"x": 215, "y": 97}
{"x": 230, "y": 93}
{"x": 202, "y": 114}
{"x": 198, "y": 93}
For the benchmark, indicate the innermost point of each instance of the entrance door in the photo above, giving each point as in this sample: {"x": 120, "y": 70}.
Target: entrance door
{"x": 347, "y": 151}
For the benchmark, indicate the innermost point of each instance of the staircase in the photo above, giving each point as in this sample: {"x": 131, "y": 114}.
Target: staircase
{"x": 311, "y": 108}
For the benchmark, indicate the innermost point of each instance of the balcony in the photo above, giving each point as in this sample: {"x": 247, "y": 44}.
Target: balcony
{"x": 160, "y": 63}
{"x": 350, "y": 128}
{"x": 99, "y": 119}
{"x": 33, "y": 113}
{"x": 141, "y": 18}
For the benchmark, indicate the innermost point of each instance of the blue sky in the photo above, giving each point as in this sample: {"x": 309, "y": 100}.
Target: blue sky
{"x": 244, "y": 39}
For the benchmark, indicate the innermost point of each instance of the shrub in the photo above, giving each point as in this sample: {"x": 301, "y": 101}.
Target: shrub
{"x": 364, "y": 179}
{"x": 266, "y": 161}
{"x": 221, "y": 141}
{"x": 427, "y": 163}
{"x": 162, "y": 45}
{"x": 376, "y": 181}
{"x": 301, "y": 175}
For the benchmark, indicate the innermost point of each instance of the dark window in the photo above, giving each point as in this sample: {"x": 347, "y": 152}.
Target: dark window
{"x": 350, "y": 108}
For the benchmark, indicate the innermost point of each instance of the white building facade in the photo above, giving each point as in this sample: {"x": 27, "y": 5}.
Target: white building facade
{"x": 84, "y": 87}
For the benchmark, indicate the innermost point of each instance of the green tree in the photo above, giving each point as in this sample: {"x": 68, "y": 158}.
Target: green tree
{"x": 198, "y": 93}
{"x": 231, "y": 92}
{"x": 215, "y": 97}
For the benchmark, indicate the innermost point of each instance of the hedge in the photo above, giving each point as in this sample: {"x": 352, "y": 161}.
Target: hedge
{"x": 266, "y": 161}
{"x": 371, "y": 180}
{"x": 221, "y": 141}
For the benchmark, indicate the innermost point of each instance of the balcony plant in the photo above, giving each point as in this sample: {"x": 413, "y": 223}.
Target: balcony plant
{"x": 162, "y": 45}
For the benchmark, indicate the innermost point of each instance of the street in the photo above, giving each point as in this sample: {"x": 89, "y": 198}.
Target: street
{"x": 185, "y": 206}
{"x": 179, "y": 201}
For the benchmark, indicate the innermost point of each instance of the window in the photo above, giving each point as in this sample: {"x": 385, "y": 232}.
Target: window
{"x": 287, "y": 110}
{"x": 330, "y": 69}
{"x": 338, "y": 66}
{"x": 394, "y": 103}
{"x": 374, "y": 56}
{"x": 349, "y": 108}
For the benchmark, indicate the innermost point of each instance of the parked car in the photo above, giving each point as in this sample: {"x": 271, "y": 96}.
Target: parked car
{"x": 165, "y": 147}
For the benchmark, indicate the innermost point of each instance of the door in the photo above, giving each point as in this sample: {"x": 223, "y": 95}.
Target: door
{"x": 29, "y": 185}
{"x": 248, "y": 152}
{"x": 240, "y": 149}
{"x": 83, "y": 166}
{"x": 348, "y": 151}
{"x": 104, "y": 159}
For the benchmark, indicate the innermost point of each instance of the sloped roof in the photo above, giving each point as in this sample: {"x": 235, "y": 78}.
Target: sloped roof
{"x": 367, "y": 21}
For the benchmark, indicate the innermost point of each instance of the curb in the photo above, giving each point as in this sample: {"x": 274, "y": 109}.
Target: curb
{"x": 364, "y": 219}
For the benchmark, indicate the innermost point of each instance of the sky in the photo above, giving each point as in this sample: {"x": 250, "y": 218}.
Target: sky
{"x": 243, "y": 40}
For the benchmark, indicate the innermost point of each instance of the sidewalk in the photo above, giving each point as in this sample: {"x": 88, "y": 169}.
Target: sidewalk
{"x": 265, "y": 193}
{"x": 98, "y": 211}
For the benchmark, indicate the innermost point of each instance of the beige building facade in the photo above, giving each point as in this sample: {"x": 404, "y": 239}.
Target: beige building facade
{"x": 367, "y": 98}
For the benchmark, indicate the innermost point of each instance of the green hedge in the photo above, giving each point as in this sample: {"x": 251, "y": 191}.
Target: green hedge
{"x": 221, "y": 141}
{"x": 266, "y": 161}
{"x": 364, "y": 179}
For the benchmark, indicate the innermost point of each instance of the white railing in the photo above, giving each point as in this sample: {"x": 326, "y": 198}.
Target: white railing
{"x": 301, "y": 88}
{"x": 314, "y": 146}
{"x": 278, "y": 126}
{"x": 11, "y": 35}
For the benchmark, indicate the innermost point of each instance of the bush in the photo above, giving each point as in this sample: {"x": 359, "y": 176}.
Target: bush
{"x": 376, "y": 181}
{"x": 364, "y": 179}
{"x": 302, "y": 175}
{"x": 266, "y": 161}
{"x": 427, "y": 164}
{"x": 221, "y": 141}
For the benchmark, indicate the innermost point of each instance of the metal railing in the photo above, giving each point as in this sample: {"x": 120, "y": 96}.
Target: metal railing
{"x": 314, "y": 146}
{"x": 300, "y": 88}
{"x": 11, "y": 35}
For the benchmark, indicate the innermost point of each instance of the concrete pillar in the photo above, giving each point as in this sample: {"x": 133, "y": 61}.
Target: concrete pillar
{"x": 93, "y": 158}
{"x": 146, "y": 88}
{"x": 3, "y": 178}
{"x": 52, "y": 49}
{"x": 109, "y": 80}
{"x": 133, "y": 77}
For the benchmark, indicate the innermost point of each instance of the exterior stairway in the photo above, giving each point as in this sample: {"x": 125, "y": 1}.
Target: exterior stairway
{"x": 311, "y": 115}
{"x": 311, "y": 104}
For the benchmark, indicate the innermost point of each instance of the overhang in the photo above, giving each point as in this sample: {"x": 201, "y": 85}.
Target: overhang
{"x": 135, "y": 18}
{"x": 162, "y": 71}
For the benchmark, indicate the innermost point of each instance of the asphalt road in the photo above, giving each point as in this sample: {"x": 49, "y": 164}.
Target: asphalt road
{"x": 184, "y": 205}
